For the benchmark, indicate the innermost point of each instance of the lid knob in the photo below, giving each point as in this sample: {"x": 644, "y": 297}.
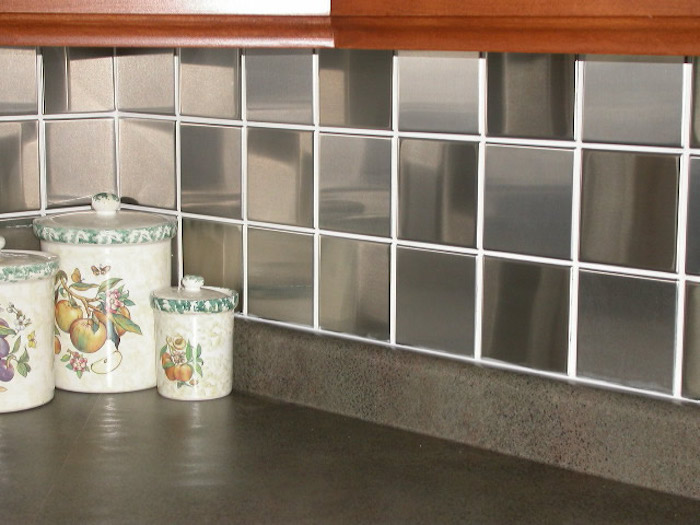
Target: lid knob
{"x": 2, "y": 242}
{"x": 192, "y": 283}
{"x": 105, "y": 203}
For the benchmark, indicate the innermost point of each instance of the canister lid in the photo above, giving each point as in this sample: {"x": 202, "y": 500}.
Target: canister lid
{"x": 193, "y": 297}
{"x": 105, "y": 225}
{"x": 21, "y": 265}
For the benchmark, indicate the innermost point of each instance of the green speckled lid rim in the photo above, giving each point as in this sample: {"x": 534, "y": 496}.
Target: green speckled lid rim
{"x": 21, "y": 265}
{"x": 193, "y": 298}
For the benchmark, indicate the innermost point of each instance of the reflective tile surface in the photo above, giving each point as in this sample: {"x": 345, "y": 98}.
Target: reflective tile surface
{"x": 526, "y": 314}
{"x": 355, "y": 184}
{"x": 354, "y": 287}
{"x": 18, "y": 234}
{"x": 281, "y": 276}
{"x": 439, "y": 91}
{"x": 18, "y": 93}
{"x": 280, "y": 176}
{"x": 146, "y": 80}
{"x": 147, "y": 162}
{"x": 19, "y": 166}
{"x": 355, "y": 88}
{"x": 435, "y": 300}
{"x": 80, "y": 160}
{"x": 279, "y": 85}
{"x": 632, "y": 100}
{"x": 527, "y": 200}
{"x": 691, "y": 342}
{"x": 78, "y": 80}
{"x": 629, "y": 205}
{"x": 223, "y": 245}
{"x": 626, "y": 330}
{"x": 438, "y": 191}
{"x": 530, "y": 95}
{"x": 695, "y": 116}
{"x": 211, "y": 170}
{"x": 693, "y": 234}
{"x": 210, "y": 82}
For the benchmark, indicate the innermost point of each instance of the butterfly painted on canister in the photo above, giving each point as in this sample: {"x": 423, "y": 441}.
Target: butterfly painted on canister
{"x": 101, "y": 270}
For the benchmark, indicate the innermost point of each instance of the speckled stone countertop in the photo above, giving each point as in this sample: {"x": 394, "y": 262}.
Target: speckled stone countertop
{"x": 140, "y": 458}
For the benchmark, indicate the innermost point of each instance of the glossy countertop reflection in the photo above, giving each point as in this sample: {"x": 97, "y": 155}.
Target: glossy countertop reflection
{"x": 139, "y": 458}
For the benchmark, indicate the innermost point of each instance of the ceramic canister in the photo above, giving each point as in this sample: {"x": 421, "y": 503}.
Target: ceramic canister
{"x": 194, "y": 340}
{"x": 26, "y": 328}
{"x": 110, "y": 262}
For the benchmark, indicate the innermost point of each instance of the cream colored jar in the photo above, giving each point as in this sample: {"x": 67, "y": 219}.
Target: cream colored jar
{"x": 26, "y": 328}
{"x": 194, "y": 340}
{"x": 110, "y": 262}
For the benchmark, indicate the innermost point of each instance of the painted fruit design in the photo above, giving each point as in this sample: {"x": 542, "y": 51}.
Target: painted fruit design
{"x": 181, "y": 361}
{"x": 91, "y": 312}
{"x": 15, "y": 344}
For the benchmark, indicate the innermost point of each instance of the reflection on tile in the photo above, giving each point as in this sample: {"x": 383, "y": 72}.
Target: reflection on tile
{"x": 211, "y": 170}
{"x": 633, "y": 99}
{"x": 435, "y": 300}
{"x": 19, "y": 166}
{"x": 280, "y": 176}
{"x": 439, "y": 91}
{"x": 281, "y": 276}
{"x": 78, "y": 79}
{"x": 629, "y": 205}
{"x": 691, "y": 342}
{"x": 80, "y": 160}
{"x": 437, "y": 191}
{"x": 210, "y": 82}
{"x": 214, "y": 250}
{"x": 695, "y": 117}
{"x": 693, "y": 240}
{"x": 355, "y": 88}
{"x": 18, "y": 234}
{"x": 527, "y": 200}
{"x": 526, "y": 314}
{"x": 354, "y": 287}
{"x": 18, "y": 81}
{"x": 279, "y": 85}
{"x": 147, "y": 162}
{"x": 626, "y": 330}
{"x": 145, "y": 80}
{"x": 355, "y": 184}
{"x": 530, "y": 95}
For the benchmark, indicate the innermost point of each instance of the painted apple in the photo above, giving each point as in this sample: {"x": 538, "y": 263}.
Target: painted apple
{"x": 85, "y": 338}
{"x": 66, "y": 314}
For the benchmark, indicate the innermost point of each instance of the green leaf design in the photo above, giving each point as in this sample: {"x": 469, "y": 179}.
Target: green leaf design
{"x": 81, "y": 287}
{"x": 29, "y": 368}
{"x": 79, "y": 373}
{"x": 164, "y": 349}
{"x": 167, "y": 365}
{"x": 199, "y": 350}
{"x": 199, "y": 370}
{"x": 22, "y": 369}
{"x": 5, "y": 330}
{"x": 69, "y": 367}
{"x": 188, "y": 352}
{"x": 15, "y": 348}
{"x": 125, "y": 323}
{"x": 65, "y": 358}
{"x": 24, "y": 357}
{"x": 108, "y": 284}
{"x": 128, "y": 302}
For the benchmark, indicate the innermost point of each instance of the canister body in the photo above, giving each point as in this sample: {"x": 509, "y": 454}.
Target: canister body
{"x": 103, "y": 316}
{"x": 27, "y": 351}
{"x": 194, "y": 354}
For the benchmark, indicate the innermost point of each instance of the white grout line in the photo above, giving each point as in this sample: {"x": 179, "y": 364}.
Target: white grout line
{"x": 244, "y": 178}
{"x": 481, "y": 180}
{"x": 41, "y": 129}
{"x": 316, "y": 166}
{"x": 394, "y": 196}
{"x": 178, "y": 171}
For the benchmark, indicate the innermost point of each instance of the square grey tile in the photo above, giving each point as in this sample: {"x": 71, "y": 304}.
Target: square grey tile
{"x": 78, "y": 79}
{"x": 438, "y": 91}
{"x": 211, "y": 170}
{"x": 438, "y": 191}
{"x": 527, "y": 200}
{"x": 526, "y": 314}
{"x": 355, "y": 88}
{"x": 626, "y": 330}
{"x": 355, "y": 184}
{"x": 214, "y": 250}
{"x": 280, "y": 85}
{"x": 18, "y": 94}
{"x": 281, "y": 276}
{"x": 629, "y": 206}
{"x": 147, "y": 162}
{"x": 210, "y": 84}
{"x": 692, "y": 264}
{"x": 80, "y": 160}
{"x": 691, "y": 342}
{"x": 354, "y": 287}
{"x": 633, "y": 99}
{"x": 435, "y": 300}
{"x": 18, "y": 234}
{"x": 280, "y": 176}
{"x": 19, "y": 166}
{"x": 146, "y": 80}
{"x": 531, "y": 95}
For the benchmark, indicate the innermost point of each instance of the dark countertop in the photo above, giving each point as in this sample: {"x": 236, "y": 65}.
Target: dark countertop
{"x": 140, "y": 458}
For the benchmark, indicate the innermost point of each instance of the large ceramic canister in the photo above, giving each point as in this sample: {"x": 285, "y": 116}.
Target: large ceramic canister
{"x": 194, "y": 340}
{"x": 27, "y": 340}
{"x": 110, "y": 262}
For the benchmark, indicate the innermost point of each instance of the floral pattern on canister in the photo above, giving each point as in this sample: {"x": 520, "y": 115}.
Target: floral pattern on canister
{"x": 17, "y": 340}
{"x": 181, "y": 361}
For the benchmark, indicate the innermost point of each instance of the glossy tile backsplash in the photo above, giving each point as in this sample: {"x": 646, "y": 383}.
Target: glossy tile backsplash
{"x": 532, "y": 212}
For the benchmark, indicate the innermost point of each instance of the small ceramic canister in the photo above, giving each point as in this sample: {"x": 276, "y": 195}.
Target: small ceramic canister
{"x": 111, "y": 261}
{"x": 27, "y": 340}
{"x": 194, "y": 340}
